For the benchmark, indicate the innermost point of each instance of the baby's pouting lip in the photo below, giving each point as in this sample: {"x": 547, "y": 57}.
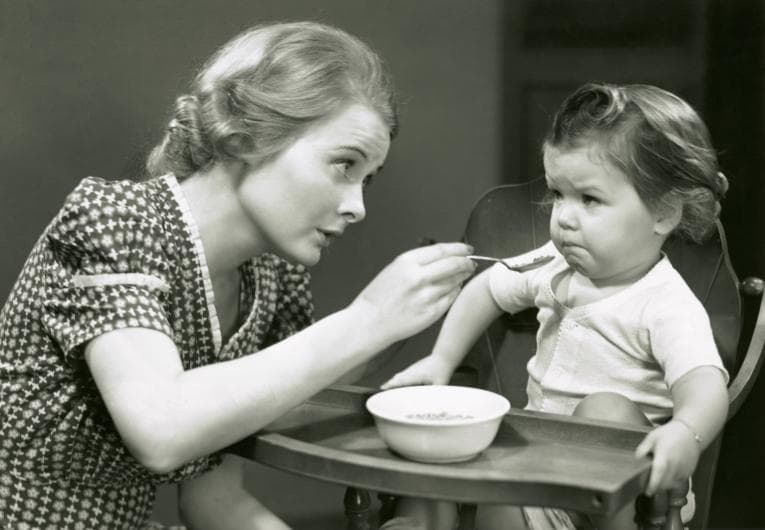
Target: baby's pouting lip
{"x": 569, "y": 244}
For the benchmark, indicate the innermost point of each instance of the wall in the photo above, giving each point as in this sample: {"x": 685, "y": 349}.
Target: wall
{"x": 86, "y": 87}
{"x": 735, "y": 81}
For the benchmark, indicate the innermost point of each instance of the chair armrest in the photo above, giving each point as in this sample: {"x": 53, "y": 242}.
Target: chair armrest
{"x": 742, "y": 384}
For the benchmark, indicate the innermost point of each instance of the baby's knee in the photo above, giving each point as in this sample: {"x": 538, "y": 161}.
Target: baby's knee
{"x": 421, "y": 514}
{"x": 610, "y": 406}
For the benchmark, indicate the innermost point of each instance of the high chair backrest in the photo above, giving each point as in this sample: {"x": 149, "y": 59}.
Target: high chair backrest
{"x": 511, "y": 219}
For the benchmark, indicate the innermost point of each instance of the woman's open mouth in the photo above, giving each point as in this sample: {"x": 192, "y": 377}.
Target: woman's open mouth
{"x": 326, "y": 237}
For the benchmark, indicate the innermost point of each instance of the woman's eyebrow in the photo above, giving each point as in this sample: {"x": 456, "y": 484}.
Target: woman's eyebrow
{"x": 356, "y": 149}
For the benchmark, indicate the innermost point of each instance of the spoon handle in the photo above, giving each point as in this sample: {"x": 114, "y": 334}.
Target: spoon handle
{"x": 538, "y": 261}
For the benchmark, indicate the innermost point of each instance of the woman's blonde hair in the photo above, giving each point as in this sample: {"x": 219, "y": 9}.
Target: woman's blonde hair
{"x": 264, "y": 88}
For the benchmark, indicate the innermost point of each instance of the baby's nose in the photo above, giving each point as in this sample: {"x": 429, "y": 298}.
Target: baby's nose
{"x": 565, "y": 216}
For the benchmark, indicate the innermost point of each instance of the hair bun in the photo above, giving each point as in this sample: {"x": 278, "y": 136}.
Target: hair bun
{"x": 723, "y": 184}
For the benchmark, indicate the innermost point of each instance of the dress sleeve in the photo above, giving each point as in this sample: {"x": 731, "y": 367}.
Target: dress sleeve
{"x": 294, "y": 303}
{"x": 108, "y": 266}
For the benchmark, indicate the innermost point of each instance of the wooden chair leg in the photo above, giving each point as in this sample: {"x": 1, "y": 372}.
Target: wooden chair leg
{"x": 677, "y": 499}
{"x": 387, "y": 506}
{"x": 467, "y": 516}
{"x": 651, "y": 512}
{"x": 662, "y": 511}
{"x": 357, "y": 507}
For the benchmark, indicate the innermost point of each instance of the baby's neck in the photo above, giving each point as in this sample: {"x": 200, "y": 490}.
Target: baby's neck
{"x": 574, "y": 289}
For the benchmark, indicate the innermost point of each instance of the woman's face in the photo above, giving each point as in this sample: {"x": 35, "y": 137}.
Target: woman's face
{"x": 302, "y": 199}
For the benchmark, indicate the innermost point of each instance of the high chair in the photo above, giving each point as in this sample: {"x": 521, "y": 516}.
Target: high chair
{"x": 508, "y": 220}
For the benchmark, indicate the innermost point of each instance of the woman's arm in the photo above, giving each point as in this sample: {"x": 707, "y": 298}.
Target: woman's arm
{"x": 168, "y": 416}
{"x": 701, "y": 407}
{"x": 468, "y": 317}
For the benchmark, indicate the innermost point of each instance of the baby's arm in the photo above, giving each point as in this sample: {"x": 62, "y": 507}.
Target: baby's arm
{"x": 701, "y": 407}
{"x": 472, "y": 312}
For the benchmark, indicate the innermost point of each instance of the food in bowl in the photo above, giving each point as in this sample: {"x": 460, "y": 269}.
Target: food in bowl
{"x": 437, "y": 423}
{"x": 438, "y": 416}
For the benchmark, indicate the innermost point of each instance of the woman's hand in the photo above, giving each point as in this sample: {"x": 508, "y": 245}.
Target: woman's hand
{"x": 415, "y": 289}
{"x": 675, "y": 454}
{"x": 430, "y": 370}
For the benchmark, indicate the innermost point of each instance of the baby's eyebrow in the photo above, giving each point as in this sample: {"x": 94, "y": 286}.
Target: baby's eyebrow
{"x": 589, "y": 189}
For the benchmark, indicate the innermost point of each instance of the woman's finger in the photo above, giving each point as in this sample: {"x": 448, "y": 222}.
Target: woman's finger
{"x": 448, "y": 299}
{"x": 425, "y": 255}
{"x": 452, "y": 269}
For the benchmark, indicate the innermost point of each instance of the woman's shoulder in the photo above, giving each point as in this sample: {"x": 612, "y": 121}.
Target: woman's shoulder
{"x": 108, "y": 218}
{"x": 113, "y": 197}
{"x": 97, "y": 200}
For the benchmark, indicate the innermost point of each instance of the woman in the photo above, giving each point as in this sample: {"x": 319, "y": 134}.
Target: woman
{"x": 126, "y": 341}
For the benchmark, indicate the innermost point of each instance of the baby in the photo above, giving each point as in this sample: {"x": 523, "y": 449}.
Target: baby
{"x": 621, "y": 336}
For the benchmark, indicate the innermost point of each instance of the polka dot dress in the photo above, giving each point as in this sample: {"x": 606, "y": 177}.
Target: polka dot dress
{"x": 118, "y": 255}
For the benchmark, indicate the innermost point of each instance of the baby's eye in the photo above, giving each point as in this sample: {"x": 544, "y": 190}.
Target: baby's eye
{"x": 589, "y": 200}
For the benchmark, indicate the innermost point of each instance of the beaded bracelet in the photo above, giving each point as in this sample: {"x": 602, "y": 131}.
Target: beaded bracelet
{"x": 696, "y": 436}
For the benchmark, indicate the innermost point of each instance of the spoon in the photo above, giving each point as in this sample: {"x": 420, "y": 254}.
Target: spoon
{"x": 538, "y": 261}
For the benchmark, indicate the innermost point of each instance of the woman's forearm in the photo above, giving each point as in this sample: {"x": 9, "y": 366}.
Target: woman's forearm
{"x": 168, "y": 416}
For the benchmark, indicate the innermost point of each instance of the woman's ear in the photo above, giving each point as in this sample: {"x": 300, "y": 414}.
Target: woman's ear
{"x": 237, "y": 145}
{"x": 668, "y": 217}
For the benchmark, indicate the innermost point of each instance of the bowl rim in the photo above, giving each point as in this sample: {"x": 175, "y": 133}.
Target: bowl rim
{"x": 504, "y": 409}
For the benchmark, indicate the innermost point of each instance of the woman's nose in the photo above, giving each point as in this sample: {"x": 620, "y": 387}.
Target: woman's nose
{"x": 352, "y": 208}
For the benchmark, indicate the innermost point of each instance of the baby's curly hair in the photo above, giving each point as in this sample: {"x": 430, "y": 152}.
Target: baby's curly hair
{"x": 656, "y": 139}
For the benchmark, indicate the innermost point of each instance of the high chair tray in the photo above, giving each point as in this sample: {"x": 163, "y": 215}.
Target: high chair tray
{"x": 536, "y": 459}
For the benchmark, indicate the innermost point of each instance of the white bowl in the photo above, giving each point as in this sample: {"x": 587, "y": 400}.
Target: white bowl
{"x": 437, "y": 423}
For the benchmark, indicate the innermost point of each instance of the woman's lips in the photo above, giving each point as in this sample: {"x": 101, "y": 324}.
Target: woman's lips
{"x": 326, "y": 237}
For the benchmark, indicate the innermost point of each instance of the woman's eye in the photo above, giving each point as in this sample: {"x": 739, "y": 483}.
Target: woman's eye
{"x": 367, "y": 181}
{"x": 344, "y": 166}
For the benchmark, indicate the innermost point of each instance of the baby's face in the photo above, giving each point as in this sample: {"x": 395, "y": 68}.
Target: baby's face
{"x": 599, "y": 222}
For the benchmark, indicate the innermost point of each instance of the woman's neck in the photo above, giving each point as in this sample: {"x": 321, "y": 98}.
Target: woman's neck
{"x": 227, "y": 238}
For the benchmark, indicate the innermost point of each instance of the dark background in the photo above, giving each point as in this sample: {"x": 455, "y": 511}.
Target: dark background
{"x": 86, "y": 88}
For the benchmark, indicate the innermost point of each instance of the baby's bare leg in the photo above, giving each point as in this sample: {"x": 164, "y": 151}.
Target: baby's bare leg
{"x": 423, "y": 514}
{"x": 499, "y": 517}
{"x": 613, "y": 407}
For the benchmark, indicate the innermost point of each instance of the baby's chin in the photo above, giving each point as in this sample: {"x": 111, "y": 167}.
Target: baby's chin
{"x": 580, "y": 266}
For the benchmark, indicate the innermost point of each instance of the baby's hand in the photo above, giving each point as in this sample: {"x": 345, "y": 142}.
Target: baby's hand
{"x": 675, "y": 455}
{"x": 430, "y": 370}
